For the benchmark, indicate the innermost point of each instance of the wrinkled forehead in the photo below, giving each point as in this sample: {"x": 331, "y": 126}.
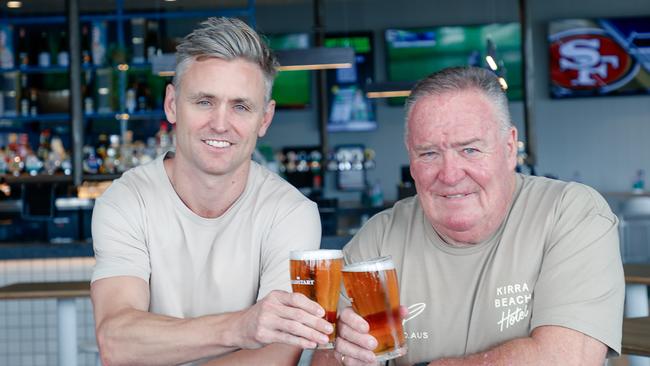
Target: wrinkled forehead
{"x": 460, "y": 114}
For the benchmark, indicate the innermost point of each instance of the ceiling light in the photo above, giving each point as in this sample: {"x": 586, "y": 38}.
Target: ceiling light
{"x": 389, "y": 89}
{"x": 14, "y": 4}
{"x": 318, "y": 58}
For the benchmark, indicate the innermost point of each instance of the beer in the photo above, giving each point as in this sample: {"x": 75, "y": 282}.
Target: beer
{"x": 317, "y": 275}
{"x": 372, "y": 288}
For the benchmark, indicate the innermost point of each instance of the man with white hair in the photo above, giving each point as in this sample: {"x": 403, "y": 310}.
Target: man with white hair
{"x": 502, "y": 268}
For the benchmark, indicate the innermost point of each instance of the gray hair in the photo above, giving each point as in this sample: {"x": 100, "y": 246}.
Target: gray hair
{"x": 456, "y": 79}
{"x": 227, "y": 39}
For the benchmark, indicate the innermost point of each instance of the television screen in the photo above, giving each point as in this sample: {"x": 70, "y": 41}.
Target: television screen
{"x": 291, "y": 89}
{"x": 349, "y": 108}
{"x": 594, "y": 57}
{"x": 415, "y": 53}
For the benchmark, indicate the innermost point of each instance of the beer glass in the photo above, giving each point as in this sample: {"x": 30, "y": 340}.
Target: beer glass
{"x": 317, "y": 275}
{"x": 372, "y": 288}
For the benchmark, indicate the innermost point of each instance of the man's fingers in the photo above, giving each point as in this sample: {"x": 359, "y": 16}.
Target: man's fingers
{"x": 354, "y": 355}
{"x": 289, "y": 313}
{"x": 354, "y": 320}
{"x": 299, "y": 329}
{"x": 298, "y": 300}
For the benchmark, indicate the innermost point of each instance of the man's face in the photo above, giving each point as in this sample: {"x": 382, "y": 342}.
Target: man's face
{"x": 462, "y": 164}
{"x": 219, "y": 113}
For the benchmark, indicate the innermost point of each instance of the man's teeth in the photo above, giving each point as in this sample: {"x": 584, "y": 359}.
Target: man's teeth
{"x": 455, "y": 195}
{"x": 218, "y": 143}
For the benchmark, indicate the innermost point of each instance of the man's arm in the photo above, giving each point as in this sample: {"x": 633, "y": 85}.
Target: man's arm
{"x": 271, "y": 355}
{"x": 547, "y": 345}
{"x": 128, "y": 334}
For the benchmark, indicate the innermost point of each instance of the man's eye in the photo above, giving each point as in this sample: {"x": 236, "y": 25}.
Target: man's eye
{"x": 470, "y": 150}
{"x": 428, "y": 154}
{"x": 203, "y": 103}
{"x": 241, "y": 107}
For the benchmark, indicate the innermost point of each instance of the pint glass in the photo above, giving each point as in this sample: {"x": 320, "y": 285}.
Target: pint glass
{"x": 372, "y": 288}
{"x": 317, "y": 275}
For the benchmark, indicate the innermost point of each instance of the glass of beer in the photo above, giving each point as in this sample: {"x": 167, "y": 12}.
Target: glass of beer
{"x": 317, "y": 275}
{"x": 372, "y": 288}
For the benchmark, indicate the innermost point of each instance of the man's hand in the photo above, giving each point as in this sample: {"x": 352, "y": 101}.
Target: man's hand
{"x": 353, "y": 342}
{"x": 283, "y": 317}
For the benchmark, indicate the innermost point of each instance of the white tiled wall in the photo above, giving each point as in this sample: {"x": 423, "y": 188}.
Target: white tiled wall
{"x": 28, "y": 328}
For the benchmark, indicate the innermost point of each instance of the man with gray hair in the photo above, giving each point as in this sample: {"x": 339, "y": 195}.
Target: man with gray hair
{"x": 193, "y": 249}
{"x": 496, "y": 267}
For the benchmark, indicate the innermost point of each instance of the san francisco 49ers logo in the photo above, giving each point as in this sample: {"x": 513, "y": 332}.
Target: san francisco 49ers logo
{"x": 589, "y": 60}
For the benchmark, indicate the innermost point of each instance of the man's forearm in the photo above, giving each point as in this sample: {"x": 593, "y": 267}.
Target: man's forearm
{"x": 138, "y": 337}
{"x": 550, "y": 345}
{"x": 271, "y": 355}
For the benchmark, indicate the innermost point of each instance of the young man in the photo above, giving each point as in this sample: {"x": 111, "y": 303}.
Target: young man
{"x": 192, "y": 249}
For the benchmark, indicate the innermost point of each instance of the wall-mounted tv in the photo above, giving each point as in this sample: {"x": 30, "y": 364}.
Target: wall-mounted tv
{"x": 349, "y": 108}
{"x": 597, "y": 57}
{"x": 416, "y": 52}
{"x": 291, "y": 89}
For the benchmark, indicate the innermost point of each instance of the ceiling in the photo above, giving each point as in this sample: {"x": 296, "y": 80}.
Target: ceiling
{"x": 58, "y": 6}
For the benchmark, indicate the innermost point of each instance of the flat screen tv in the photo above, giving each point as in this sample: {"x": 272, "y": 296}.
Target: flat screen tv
{"x": 417, "y": 52}
{"x": 291, "y": 89}
{"x": 599, "y": 57}
{"x": 349, "y": 108}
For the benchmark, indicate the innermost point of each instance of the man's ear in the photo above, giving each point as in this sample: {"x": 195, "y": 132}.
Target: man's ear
{"x": 170, "y": 103}
{"x": 268, "y": 117}
{"x": 511, "y": 147}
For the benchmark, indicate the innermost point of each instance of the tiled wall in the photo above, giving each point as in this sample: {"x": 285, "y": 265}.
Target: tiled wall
{"x": 28, "y": 328}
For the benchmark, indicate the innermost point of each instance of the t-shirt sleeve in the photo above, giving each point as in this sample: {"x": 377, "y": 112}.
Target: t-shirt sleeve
{"x": 297, "y": 229}
{"x": 118, "y": 235}
{"x": 581, "y": 284}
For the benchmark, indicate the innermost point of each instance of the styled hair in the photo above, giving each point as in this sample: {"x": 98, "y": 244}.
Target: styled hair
{"x": 455, "y": 79}
{"x": 227, "y": 39}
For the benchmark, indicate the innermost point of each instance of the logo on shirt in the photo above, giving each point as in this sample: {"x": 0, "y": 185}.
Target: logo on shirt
{"x": 414, "y": 311}
{"x": 513, "y": 302}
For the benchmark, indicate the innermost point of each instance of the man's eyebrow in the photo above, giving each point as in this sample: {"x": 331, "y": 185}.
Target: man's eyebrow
{"x": 200, "y": 95}
{"x": 424, "y": 147}
{"x": 467, "y": 142}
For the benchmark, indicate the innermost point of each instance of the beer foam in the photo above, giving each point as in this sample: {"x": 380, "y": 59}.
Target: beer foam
{"x": 301, "y": 255}
{"x": 376, "y": 264}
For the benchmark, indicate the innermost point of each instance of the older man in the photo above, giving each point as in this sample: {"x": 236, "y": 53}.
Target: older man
{"x": 503, "y": 268}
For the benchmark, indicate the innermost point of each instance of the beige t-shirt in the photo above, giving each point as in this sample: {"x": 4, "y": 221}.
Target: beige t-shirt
{"x": 554, "y": 261}
{"x": 197, "y": 266}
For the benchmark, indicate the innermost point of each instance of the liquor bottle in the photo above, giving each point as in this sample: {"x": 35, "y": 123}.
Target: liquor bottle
{"x": 43, "y": 144}
{"x": 163, "y": 141}
{"x": 33, "y": 102}
{"x": 91, "y": 162}
{"x": 152, "y": 40}
{"x": 88, "y": 93}
{"x": 63, "y": 57}
{"x": 24, "y": 96}
{"x": 143, "y": 94}
{"x": 22, "y": 50}
{"x": 130, "y": 100}
{"x": 44, "y": 55}
{"x": 86, "y": 58}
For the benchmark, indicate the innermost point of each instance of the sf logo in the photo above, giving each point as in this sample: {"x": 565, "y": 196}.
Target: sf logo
{"x": 583, "y": 56}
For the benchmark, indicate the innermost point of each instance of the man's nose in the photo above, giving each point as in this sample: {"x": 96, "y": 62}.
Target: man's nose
{"x": 219, "y": 119}
{"x": 451, "y": 171}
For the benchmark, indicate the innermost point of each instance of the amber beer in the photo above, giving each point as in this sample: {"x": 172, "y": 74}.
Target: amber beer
{"x": 372, "y": 288}
{"x": 317, "y": 275}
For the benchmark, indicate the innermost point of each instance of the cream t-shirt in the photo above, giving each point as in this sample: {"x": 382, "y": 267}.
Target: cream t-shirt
{"x": 197, "y": 266}
{"x": 554, "y": 261}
